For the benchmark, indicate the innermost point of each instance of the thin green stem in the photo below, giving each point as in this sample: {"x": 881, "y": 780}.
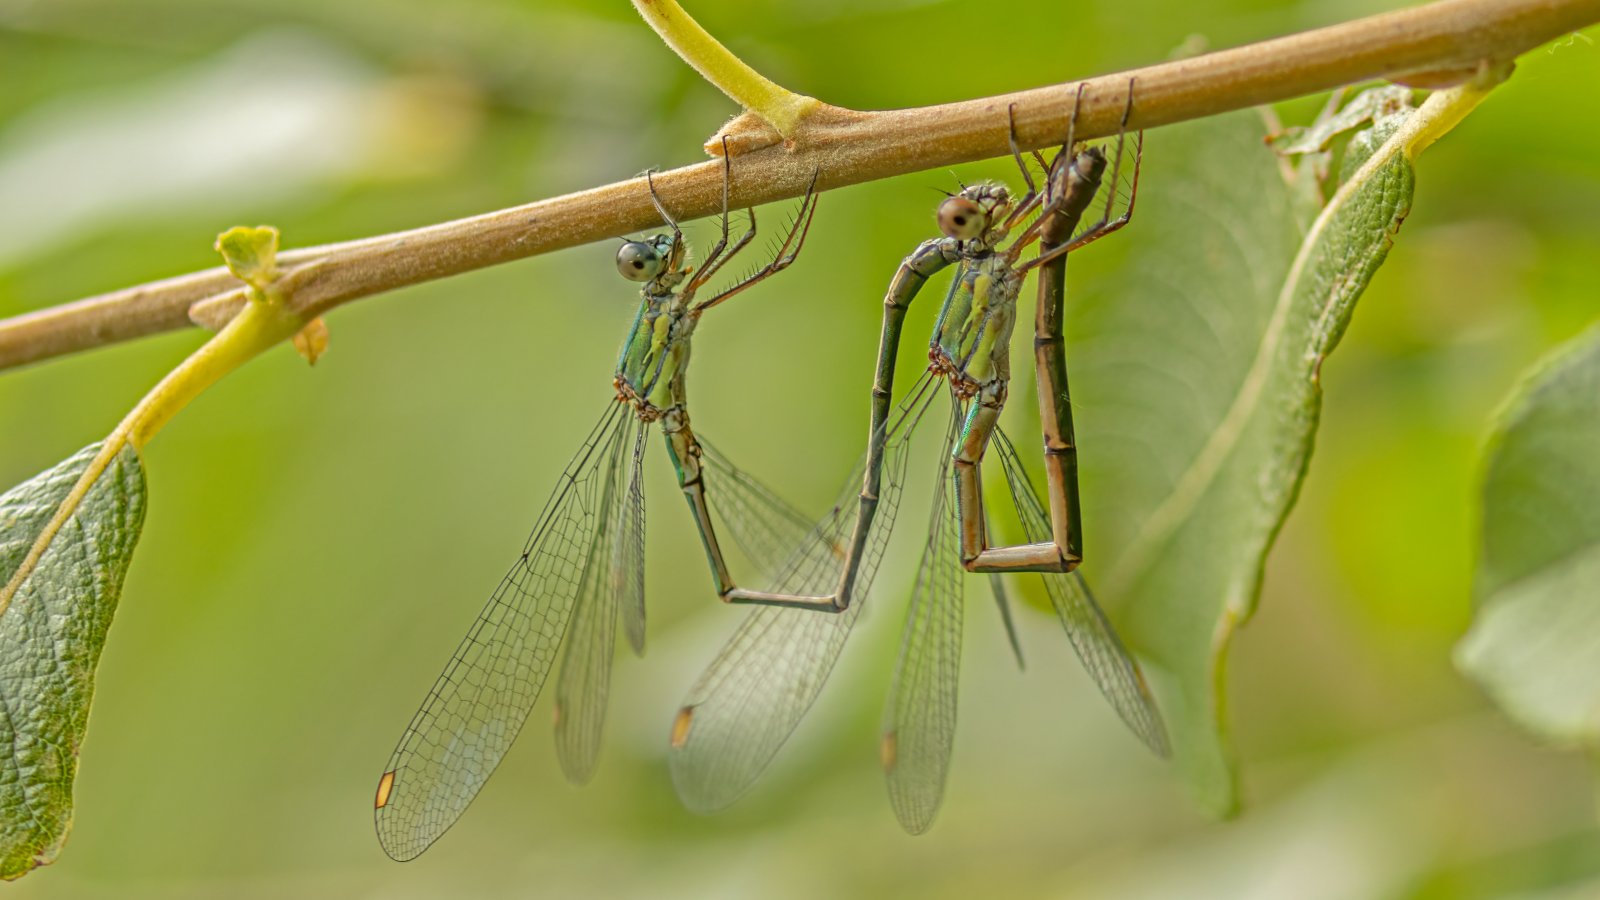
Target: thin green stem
{"x": 1444, "y": 110}
{"x": 251, "y": 254}
{"x": 260, "y": 325}
{"x": 781, "y": 108}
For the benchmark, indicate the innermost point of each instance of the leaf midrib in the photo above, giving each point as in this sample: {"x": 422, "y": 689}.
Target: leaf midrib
{"x": 68, "y": 507}
{"x": 1165, "y": 520}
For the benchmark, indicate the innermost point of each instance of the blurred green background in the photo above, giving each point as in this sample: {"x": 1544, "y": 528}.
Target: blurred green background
{"x": 318, "y": 538}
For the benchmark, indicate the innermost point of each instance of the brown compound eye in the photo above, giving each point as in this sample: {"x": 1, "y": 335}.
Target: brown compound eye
{"x": 962, "y": 219}
{"x": 638, "y": 261}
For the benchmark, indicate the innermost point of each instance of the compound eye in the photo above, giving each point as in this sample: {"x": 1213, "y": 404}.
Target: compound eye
{"x": 962, "y": 219}
{"x": 638, "y": 261}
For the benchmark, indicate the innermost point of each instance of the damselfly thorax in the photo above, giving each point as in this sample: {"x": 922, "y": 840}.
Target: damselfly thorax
{"x": 655, "y": 355}
{"x": 972, "y": 339}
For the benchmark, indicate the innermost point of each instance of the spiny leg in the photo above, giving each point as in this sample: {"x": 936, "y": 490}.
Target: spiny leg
{"x": 715, "y": 259}
{"x": 712, "y": 264}
{"x": 1100, "y": 228}
{"x": 661, "y": 210}
{"x": 785, "y": 255}
{"x": 1116, "y": 167}
{"x": 1059, "y": 203}
{"x": 1016, "y": 154}
{"x": 1105, "y": 225}
{"x": 1027, "y": 202}
{"x": 1051, "y": 203}
{"x": 722, "y": 241}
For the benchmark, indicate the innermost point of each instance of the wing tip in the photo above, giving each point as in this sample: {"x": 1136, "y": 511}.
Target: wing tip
{"x": 916, "y": 818}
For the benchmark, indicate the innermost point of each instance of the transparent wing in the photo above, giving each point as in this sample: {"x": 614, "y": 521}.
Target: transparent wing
{"x": 585, "y": 681}
{"x": 753, "y": 695}
{"x": 1002, "y": 602}
{"x": 481, "y": 700}
{"x": 919, "y": 725}
{"x": 629, "y": 563}
{"x": 1097, "y": 645}
{"x": 765, "y": 527}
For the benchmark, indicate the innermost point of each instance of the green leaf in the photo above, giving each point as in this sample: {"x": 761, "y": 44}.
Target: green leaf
{"x": 1535, "y": 642}
{"x": 251, "y": 254}
{"x": 1368, "y": 106}
{"x": 1229, "y": 303}
{"x": 66, "y": 536}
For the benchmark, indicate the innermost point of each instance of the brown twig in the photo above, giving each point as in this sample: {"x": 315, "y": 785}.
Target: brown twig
{"x": 1427, "y": 46}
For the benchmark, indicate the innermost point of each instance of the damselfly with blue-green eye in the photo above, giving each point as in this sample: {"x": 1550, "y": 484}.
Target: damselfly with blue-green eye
{"x": 582, "y": 567}
{"x": 753, "y": 695}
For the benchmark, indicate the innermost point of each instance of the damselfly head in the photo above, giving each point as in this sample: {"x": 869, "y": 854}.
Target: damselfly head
{"x": 962, "y": 218}
{"x": 968, "y": 215}
{"x": 638, "y": 261}
{"x": 645, "y": 260}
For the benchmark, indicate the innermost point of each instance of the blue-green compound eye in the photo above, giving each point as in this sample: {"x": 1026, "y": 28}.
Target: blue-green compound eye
{"x": 638, "y": 261}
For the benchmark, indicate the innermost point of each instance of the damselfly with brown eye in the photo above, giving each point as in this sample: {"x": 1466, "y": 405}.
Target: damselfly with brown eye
{"x": 753, "y": 695}
{"x": 582, "y": 567}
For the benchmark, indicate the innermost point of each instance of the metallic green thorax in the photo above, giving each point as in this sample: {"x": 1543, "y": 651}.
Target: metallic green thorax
{"x": 656, "y": 352}
{"x": 972, "y": 338}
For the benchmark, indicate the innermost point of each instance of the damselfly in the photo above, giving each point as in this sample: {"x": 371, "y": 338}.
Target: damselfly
{"x": 582, "y": 567}
{"x": 753, "y": 695}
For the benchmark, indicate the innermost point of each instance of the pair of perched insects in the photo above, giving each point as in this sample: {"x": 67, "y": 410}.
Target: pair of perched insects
{"x": 582, "y": 571}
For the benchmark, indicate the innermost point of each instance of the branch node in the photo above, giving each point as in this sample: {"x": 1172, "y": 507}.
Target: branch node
{"x": 745, "y": 133}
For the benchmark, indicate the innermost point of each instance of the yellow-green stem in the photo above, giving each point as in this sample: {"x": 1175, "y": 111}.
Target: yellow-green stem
{"x": 781, "y": 108}
{"x": 1444, "y": 110}
{"x": 257, "y": 327}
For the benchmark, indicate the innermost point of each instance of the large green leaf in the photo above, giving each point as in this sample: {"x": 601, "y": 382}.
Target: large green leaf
{"x": 66, "y": 536}
{"x": 1206, "y": 394}
{"x": 1535, "y": 644}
